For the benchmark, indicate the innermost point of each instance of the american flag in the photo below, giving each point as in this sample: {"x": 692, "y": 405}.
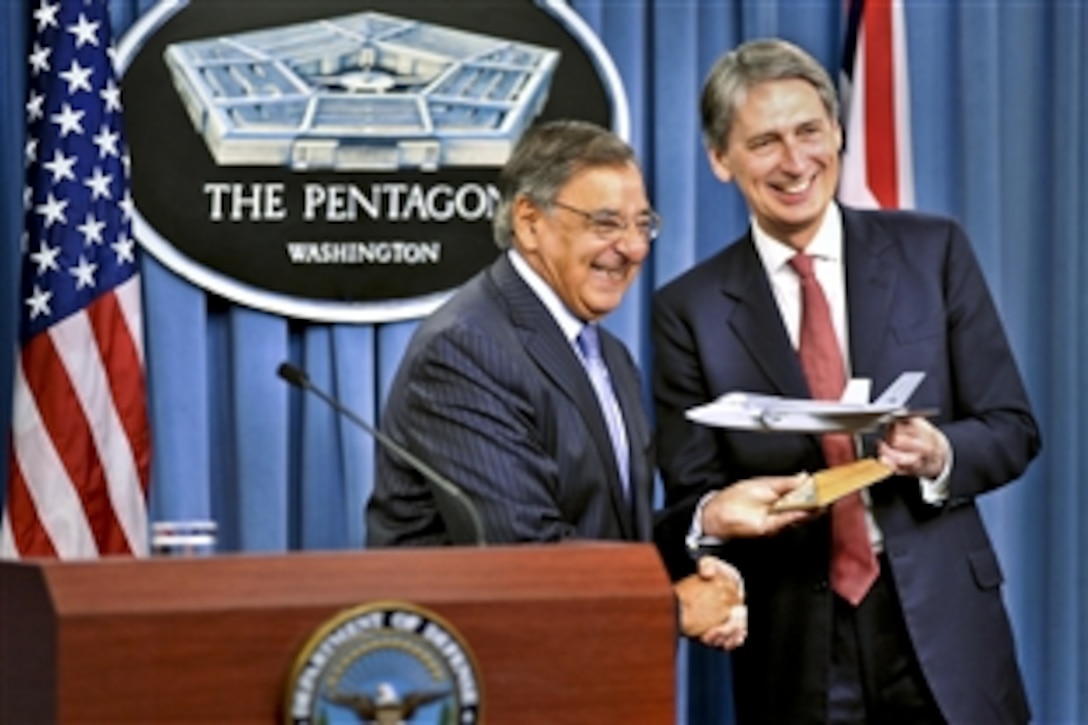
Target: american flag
{"x": 877, "y": 168}
{"x": 80, "y": 443}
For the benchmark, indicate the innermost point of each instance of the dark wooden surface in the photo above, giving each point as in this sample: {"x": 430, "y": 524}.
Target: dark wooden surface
{"x": 565, "y": 633}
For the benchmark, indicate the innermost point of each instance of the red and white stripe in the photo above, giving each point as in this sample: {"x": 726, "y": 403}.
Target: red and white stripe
{"x": 877, "y": 166}
{"x": 80, "y": 453}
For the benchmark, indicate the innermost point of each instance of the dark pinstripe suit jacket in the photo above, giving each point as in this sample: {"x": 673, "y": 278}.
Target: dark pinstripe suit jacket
{"x": 491, "y": 394}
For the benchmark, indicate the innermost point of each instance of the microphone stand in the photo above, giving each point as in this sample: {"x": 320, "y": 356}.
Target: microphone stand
{"x": 462, "y": 517}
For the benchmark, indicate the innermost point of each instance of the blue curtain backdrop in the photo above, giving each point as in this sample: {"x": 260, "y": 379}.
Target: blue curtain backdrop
{"x": 999, "y": 102}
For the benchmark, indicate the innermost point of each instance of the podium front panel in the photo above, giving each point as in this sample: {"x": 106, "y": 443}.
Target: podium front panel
{"x": 561, "y": 633}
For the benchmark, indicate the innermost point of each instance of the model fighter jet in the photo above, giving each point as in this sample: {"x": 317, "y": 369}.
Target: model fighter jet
{"x": 850, "y": 414}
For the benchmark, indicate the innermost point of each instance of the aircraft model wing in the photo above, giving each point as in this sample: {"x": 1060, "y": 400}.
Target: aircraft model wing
{"x": 760, "y": 412}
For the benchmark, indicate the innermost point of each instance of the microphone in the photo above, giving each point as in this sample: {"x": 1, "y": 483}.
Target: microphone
{"x": 457, "y": 509}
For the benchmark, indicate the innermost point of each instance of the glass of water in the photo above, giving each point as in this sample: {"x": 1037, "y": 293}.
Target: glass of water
{"x": 183, "y": 538}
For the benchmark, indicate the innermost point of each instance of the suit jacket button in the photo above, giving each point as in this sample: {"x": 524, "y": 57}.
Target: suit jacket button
{"x": 820, "y": 587}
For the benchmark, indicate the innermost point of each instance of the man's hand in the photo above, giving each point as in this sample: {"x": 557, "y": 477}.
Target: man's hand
{"x": 914, "y": 447}
{"x": 743, "y": 509}
{"x": 712, "y": 607}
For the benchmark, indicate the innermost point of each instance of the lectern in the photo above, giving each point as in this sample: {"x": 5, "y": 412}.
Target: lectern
{"x": 564, "y": 633}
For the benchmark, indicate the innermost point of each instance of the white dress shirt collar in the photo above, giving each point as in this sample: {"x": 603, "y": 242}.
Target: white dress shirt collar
{"x": 827, "y": 249}
{"x": 568, "y": 323}
{"x": 826, "y": 245}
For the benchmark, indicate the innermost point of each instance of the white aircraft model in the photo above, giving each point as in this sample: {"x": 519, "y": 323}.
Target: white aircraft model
{"x": 851, "y": 414}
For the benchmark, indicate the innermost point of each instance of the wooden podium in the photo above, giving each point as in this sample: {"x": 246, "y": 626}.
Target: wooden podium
{"x": 566, "y": 633}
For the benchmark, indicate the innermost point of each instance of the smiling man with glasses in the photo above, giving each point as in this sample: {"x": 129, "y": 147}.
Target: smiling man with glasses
{"x": 512, "y": 389}
{"x": 494, "y": 390}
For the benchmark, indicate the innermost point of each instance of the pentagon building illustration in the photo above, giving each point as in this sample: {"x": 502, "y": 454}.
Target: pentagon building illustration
{"x": 367, "y": 91}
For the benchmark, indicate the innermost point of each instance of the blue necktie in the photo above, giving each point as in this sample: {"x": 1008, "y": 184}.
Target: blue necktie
{"x": 590, "y": 345}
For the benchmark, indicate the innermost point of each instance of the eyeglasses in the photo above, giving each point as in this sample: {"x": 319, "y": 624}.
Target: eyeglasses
{"x": 610, "y": 227}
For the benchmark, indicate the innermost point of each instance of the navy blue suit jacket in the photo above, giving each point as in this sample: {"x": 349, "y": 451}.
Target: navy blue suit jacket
{"x": 916, "y": 300}
{"x": 491, "y": 394}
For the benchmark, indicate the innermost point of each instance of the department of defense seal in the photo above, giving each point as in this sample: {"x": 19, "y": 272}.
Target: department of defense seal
{"x": 384, "y": 662}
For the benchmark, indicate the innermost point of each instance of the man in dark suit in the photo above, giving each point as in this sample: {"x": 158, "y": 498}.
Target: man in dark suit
{"x": 929, "y": 640}
{"x": 495, "y": 392}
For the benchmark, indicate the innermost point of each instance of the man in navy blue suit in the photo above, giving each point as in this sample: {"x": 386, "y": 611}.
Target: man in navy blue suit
{"x": 930, "y": 640}
{"x": 496, "y": 391}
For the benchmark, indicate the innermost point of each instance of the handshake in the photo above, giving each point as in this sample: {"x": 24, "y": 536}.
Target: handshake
{"x": 711, "y": 601}
{"x": 712, "y": 608}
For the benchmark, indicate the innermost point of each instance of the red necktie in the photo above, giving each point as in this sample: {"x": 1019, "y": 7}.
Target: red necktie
{"x": 853, "y": 565}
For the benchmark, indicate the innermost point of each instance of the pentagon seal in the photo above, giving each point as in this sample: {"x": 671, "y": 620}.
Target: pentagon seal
{"x": 385, "y": 662}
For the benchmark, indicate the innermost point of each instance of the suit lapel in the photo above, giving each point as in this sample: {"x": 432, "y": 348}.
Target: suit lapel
{"x": 545, "y": 342}
{"x": 549, "y": 348}
{"x": 755, "y": 320}
{"x": 870, "y": 286}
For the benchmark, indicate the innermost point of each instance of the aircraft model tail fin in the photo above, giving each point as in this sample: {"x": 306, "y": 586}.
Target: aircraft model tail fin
{"x": 857, "y": 391}
{"x": 898, "y": 393}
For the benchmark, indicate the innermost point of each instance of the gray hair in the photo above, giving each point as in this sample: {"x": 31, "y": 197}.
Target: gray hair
{"x": 748, "y": 65}
{"x": 545, "y": 159}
